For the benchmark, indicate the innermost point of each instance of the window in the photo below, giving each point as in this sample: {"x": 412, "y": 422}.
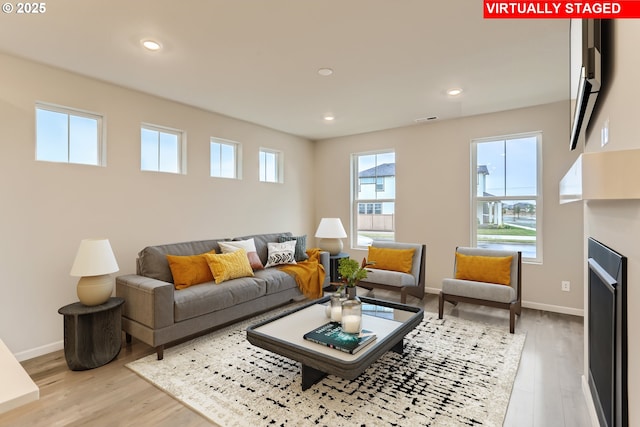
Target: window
{"x": 270, "y": 165}
{"x": 507, "y": 202}
{"x": 161, "y": 149}
{"x": 374, "y": 193}
{"x": 66, "y": 135}
{"x": 225, "y": 158}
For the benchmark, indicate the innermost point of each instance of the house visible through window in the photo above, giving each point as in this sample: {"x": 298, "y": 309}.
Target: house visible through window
{"x": 270, "y": 165}
{"x": 507, "y": 200}
{"x": 161, "y": 149}
{"x": 67, "y": 135}
{"x": 225, "y": 161}
{"x": 374, "y": 197}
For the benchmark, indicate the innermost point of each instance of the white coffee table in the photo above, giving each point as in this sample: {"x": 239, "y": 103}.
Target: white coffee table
{"x": 283, "y": 335}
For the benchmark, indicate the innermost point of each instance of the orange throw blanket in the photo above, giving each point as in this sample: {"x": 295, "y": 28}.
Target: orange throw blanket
{"x": 309, "y": 275}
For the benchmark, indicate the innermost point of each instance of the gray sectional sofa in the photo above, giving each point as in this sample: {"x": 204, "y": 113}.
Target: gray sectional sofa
{"x": 157, "y": 314}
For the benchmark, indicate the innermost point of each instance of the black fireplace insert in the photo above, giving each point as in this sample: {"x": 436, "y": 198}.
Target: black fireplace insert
{"x": 607, "y": 333}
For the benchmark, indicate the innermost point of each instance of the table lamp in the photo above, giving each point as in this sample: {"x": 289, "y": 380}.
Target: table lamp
{"x": 330, "y": 231}
{"x": 93, "y": 264}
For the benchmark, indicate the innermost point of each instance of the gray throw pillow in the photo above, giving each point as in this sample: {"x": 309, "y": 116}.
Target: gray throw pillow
{"x": 301, "y": 246}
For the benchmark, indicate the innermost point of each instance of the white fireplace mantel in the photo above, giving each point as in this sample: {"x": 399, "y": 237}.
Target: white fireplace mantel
{"x": 603, "y": 175}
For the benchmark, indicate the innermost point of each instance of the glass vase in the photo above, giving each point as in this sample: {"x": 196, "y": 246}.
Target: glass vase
{"x": 335, "y": 303}
{"x": 352, "y": 313}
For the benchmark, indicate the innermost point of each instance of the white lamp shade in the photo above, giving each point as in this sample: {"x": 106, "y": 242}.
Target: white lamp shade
{"x": 94, "y": 258}
{"x": 330, "y": 228}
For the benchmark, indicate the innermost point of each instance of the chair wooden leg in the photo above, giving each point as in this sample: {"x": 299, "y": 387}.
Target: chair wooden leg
{"x": 440, "y": 305}
{"x": 160, "y": 352}
{"x": 403, "y": 295}
{"x": 512, "y": 319}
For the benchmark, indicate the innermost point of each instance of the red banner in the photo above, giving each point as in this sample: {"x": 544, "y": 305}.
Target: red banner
{"x": 517, "y": 9}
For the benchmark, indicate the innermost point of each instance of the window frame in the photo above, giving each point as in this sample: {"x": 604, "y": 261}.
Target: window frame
{"x": 356, "y": 188}
{"x": 101, "y": 153}
{"x": 180, "y": 152}
{"x": 278, "y": 164}
{"x": 538, "y": 197}
{"x": 237, "y": 157}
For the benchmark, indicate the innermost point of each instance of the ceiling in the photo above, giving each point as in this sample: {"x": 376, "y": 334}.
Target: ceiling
{"x": 258, "y": 60}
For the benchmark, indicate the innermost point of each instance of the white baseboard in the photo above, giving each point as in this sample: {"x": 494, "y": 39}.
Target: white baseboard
{"x": 534, "y": 305}
{"x": 554, "y": 308}
{"x": 39, "y": 351}
{"x": 588, "y": 399}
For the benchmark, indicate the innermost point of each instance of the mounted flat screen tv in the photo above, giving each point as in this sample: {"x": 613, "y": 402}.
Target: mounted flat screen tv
{"x": 586, "y": 73}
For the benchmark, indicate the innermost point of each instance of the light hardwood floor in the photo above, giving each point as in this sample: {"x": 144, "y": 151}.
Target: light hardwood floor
{"x": 547, "y": 391}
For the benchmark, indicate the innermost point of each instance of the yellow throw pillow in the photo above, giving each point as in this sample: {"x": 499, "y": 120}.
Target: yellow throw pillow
{"x": 189, "y": 270}
{"x": 391, "y": 259}
{"x": 229, "y": 266}
{"x": 490, "y": 269}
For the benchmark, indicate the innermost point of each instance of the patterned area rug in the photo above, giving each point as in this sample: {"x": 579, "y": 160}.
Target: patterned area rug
{"x": 452, "y": 373}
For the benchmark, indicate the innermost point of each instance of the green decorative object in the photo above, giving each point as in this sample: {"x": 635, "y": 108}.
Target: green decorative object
{"x": 352, "y": 272}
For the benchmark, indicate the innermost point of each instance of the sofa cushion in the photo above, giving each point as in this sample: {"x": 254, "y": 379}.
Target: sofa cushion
{"x": 152, "y": 260}
{"x": 261, "y": 241}
{"x": 393, "y": 259}
{"x": 248, "y": 245}
{"x": 479, "y": 290}
{"x": 189, "y": 270}
{"x": 301, "y": 246}
{"x": 209, "y": 297}
{"x": 229, "y": 266}
{"x": 276, "y": 280}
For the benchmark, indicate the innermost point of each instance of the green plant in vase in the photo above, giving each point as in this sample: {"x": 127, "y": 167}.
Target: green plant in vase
{"x": 352, "y": 272}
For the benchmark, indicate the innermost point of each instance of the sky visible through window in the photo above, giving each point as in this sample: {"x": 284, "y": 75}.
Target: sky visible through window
{"x": 159, "y": 151}
{"x": 66, "y": 138}
{"x": 268, "y": 166}
{"x": 511, "y": 165}
{"x": 223, "y": 160}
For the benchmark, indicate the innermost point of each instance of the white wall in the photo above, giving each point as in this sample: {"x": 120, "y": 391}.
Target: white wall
{"x": 617, "y": 223}
{"x": 433, "y": 194}
{"x": 47, "y": 208}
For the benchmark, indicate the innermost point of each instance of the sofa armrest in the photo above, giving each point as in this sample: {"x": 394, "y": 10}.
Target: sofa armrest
{"x": 147, "y": 301}
{"x": 324, "y": 260}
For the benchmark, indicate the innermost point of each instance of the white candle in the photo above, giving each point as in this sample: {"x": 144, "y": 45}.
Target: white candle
{"x": 351, "y": 324}
{"x": 336, "y": 314}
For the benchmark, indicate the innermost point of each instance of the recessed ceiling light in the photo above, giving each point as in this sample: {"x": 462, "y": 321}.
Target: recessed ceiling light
{"x": 329, "y": 117}
{"x": 151, "y": 45}
{"x": 454, "y": 92}
{"x": 325, "y": 71}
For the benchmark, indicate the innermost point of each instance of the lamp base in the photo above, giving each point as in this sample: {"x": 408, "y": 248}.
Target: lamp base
{"x": 333, "y": 246}
{"x": 95, "y": 290}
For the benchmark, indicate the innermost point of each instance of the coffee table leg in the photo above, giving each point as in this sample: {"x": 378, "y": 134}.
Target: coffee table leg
{"x": 310, "y": 376}
{"x": 399, "y": 347}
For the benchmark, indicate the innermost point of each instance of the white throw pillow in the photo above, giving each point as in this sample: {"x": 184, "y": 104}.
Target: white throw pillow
{"x": 248, "y": 245}
{"x": 281, "y": 253}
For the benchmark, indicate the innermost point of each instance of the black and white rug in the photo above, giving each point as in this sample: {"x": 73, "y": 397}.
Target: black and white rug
{"x": 452, "y": 373}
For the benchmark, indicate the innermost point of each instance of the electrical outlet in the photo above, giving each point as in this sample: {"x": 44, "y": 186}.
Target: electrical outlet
{"x": 566, "y": 285}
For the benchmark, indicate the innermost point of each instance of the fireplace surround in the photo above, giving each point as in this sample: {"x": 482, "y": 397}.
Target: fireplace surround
{"x": 607, "y": 333}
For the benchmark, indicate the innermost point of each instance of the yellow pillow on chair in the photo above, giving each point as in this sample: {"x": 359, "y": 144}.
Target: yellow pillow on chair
{"x": 489, "y": 269}
{"x": 391, "y": 259}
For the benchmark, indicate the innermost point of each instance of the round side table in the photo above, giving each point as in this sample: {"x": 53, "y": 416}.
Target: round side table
{"x": 92, "y": 335}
